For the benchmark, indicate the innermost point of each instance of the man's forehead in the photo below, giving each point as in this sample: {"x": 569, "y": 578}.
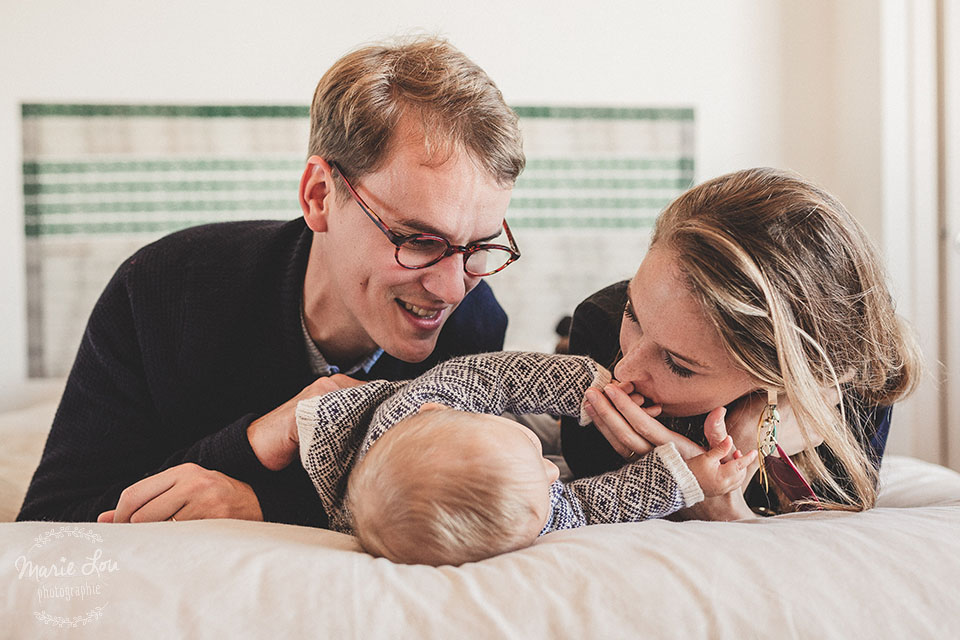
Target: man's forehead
{"x": 456, "y": 199}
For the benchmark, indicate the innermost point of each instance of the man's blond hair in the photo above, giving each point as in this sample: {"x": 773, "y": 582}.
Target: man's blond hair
{"x": 361, "y": 99}
{"x": 429, "y": 492}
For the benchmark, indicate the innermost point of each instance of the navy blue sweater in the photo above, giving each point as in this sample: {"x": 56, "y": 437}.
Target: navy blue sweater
{"x": 196, "y": 336}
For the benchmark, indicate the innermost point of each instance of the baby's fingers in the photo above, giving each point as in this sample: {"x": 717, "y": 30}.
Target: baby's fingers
{"x": 720, "y": 450}
{"x": 728, "y": 476}
{"x": 733, "y": 472}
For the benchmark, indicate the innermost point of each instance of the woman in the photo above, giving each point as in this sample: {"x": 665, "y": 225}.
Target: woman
{"x": 756, "y": 284}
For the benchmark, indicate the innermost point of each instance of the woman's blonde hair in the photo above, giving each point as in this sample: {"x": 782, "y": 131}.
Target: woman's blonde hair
{"x": 426, "y": 493}
{"x": 800, "y": 301}
{"x": 361, "y": 99}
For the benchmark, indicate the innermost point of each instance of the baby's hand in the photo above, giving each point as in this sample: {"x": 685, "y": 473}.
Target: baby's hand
{"x": 718, "y": 478}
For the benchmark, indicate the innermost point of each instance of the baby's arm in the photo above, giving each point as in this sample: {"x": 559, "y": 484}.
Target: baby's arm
{"x": 655, "y": 485}
{"x": 520, "y": 382}
{"x": 331, "y": 428}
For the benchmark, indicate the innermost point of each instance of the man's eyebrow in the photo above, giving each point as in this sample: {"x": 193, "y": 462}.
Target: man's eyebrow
{"x": 686, "y": 359}
{"x": 418, "y": 226}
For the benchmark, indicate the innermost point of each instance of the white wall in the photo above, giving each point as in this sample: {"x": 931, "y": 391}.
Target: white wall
{"x": 784, "y": 83}
{"x": 951, "y": 224}
{"x": 721, "y": 57}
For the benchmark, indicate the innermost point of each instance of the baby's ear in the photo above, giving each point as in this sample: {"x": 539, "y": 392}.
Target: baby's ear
{"x": 431, "y": 406}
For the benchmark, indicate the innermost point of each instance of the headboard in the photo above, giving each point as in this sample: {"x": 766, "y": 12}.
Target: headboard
{"x": 100, "y": 181}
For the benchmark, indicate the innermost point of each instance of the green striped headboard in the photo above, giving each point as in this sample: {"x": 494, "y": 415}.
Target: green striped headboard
{"x": 99, "y": 181}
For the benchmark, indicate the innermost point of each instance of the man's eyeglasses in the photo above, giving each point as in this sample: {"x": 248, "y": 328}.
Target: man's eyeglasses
{"x": 421, "y": 250}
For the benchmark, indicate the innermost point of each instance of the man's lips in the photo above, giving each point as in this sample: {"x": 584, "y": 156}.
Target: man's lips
{"x": 423, "y": 319}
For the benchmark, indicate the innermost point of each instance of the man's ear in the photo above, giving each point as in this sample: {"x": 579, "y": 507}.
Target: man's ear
{"x": 431, "y": 406}
{"x": 316, "y": 193}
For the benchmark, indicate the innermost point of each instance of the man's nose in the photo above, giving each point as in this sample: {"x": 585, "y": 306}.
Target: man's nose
{"x": 447, "y": 280}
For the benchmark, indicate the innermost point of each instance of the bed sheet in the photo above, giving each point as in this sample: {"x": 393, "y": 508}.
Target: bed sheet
{"x": 891, "y": 572}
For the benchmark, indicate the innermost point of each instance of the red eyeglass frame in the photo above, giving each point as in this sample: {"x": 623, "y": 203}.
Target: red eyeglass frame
{"x": 397, "y": 239}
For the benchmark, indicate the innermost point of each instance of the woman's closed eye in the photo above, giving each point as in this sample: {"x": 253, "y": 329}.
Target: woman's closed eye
{"x": 675, "y": 368}
{"x": 678, "y": 370}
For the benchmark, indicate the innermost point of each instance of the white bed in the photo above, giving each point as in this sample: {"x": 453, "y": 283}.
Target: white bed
{"x": 893, "y": 572}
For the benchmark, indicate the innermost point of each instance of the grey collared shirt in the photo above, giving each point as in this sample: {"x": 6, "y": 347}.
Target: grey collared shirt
{"x": 319, "y": 365}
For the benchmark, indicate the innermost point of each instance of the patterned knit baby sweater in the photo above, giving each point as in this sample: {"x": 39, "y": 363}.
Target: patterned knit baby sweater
{"x": 337, "y": 429}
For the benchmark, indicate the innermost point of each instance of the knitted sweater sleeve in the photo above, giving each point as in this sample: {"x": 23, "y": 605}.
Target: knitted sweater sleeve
{"x": 516, "y": 381}
{"x": 654, "y": 486}
{"x": 331, "y": 428}
{"x": 337, "y": 429}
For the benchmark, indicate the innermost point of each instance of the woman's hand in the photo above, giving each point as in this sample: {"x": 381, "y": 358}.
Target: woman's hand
{"x": 725, "y": 508}
{"x": 630, "y": 427}
{"x": 744, "y": 419}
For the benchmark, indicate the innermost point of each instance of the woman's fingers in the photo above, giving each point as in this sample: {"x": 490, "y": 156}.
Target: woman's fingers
{"x": 631, "y": 428}
{"x": 649, "y": 429}
{"x": 621, "y": 436}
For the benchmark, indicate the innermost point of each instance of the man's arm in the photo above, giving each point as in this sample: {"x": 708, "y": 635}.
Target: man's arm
{"x": 108, "y": 434}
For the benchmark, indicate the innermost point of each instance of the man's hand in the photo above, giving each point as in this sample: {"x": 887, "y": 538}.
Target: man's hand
{"x": 185, "y": 492}
{"x": 274, "y": 437}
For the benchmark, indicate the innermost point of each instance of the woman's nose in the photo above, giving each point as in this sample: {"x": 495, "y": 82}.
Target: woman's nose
{"x": 633, "y": 366}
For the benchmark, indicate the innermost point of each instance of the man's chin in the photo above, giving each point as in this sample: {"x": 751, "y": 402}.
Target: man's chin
{"x": 414, "y": 353}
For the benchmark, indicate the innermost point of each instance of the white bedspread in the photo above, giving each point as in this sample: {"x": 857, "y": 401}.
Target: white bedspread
{"x": 893, "y": 572}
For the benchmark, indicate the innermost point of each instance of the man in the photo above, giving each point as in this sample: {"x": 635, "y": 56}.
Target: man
{"x": 181, "y": 401}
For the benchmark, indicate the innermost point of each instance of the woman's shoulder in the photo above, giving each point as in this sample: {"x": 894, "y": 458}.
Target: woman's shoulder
{"x": 595, "y": 330}
{"x": 608, "y": 301}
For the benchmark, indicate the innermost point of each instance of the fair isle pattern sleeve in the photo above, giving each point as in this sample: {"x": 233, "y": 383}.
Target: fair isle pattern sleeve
{"x": 331, "y": 428}
{"x": 516, "y": 381}
{"x": 338, "y": 428}
{"x": 656, "y": 485}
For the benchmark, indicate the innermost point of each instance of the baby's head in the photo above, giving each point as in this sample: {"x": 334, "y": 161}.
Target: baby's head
{"x": 447, "y": 487}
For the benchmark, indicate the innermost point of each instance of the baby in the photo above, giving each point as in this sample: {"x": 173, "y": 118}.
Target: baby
{"x": 447, "y": 486}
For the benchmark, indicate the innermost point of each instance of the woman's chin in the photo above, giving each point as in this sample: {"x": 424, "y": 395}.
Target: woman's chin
{"x": 681, "y": 412}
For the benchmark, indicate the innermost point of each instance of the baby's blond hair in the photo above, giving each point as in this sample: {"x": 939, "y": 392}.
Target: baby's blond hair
{"x": 433, "y": 491}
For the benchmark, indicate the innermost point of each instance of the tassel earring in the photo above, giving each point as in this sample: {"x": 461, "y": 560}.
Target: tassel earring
{"x": 767, "y": 434}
